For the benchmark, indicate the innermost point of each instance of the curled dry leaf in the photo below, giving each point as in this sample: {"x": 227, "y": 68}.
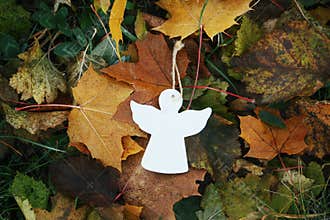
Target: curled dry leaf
{"x": 34, "y": 121}
{"x": 185, "y": 16}
{"x": 149, "y": 76}
{"x": 93, "y": 124}
{"x": 37, "y": 77}
{"x": 116, "y": 17}
{"x": 267, "y": 142}
{"x": 157, "y": 193}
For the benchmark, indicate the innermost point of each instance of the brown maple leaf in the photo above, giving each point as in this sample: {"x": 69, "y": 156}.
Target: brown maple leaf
{"x": 92, "y": 124}
{"x": 156, "y": 192}
{"x": 267, "y": 142}
{"x": 150, "y": 75}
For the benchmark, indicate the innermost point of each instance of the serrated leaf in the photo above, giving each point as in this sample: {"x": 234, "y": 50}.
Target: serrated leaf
{"x": 37, "y": 77}
{"x": 211, "y": 204}
{"x": 26, "y": 187}
{"x": 67, "y": 49}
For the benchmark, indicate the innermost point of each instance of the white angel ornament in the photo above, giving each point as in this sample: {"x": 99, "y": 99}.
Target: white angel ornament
{"x": 166, "y": 150}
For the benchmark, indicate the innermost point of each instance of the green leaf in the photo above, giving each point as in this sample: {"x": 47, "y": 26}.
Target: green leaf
{"x": 67, "y": 49}
{"x": 271, "y": 119}
{"x": 80, "y": 36}
{"x": 26, "y": 187}
{"x": 211, "y": 204}
{"x": 185, "y": 209}
{"x": 9, "y": 46}
{"x": 314, "y": 171}
{"x": 106, "y": 50}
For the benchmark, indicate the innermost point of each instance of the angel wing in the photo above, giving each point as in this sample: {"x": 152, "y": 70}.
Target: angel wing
{"x": 193, "y": 121}
{"x": 146, "y": 116}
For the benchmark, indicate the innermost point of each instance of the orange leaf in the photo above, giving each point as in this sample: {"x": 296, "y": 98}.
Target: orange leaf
{"x": 267, "y": 142}
{"x": 149, "y": 76}
{"x": 116, "y": 17}
{"x": 92, "y": 124}
{"x": 130, "y": 147}
{"x": 185, "y": 16}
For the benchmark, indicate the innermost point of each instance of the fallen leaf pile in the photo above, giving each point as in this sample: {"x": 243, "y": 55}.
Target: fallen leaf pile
{"x": 69, "y": 148}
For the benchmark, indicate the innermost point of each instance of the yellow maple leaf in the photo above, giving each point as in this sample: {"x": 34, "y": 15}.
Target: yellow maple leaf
{"x": 116, "y": 17}
{"x": 185, "y": 19}
{"x": 93, "y": 124}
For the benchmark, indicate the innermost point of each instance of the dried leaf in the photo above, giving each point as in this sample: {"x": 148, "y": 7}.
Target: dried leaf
{"x": 291, "y": 61}
{"x": 62, "y": 208}
{"x": 185, "y": 16}
{"x": 116, "y": 17}
{"x": 267, "y": 142}
{"x": 37, "y": 77}
{"x": 6, "y": 92}
{"x": 102, "y": 4}
{"x": 157, "y": 193}
{"x": 93, "y": 124}
{"x": 149, "y": 76}
{"x": 34, "y": 121}
{"x": 132, "y": 212}
{"x": 140, "y": 26}
{"x": 86, "y": 179}
{"x": 317, "y": 120}
{"x": 130, "y": 147}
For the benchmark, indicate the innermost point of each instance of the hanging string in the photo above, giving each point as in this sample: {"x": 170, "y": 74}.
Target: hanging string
{"x": 175, "y": 70}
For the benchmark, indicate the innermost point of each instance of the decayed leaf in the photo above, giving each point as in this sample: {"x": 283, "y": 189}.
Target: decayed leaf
{"x": 149, "y": 76}
{"x": 87, "y": 179}
{"x": 93, "y": 124}
{"x": 290, "y": 61}
{"x": 62, "y": 208}
{"x": 102, "y": 4}
{"x": 37, "y": 77}
{"x": 34, "y": 121}
{"x": 116, "y": 17}
{"x": 185, "y": 16}
{"x": 215, "y": 148}
{"x": 267, "y": 142}
{"x": 156, "y": 192}
{"x": 317, "y": 120}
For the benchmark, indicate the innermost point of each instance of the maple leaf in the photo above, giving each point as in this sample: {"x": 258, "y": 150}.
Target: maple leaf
{"x": 102, "y": 4}
{"x": 37, "y": 78}
{"x": 34, "y": 121}
{"x": 156, "y": 192}
{"x": 62, "y": 208}
{"x": 267, "y": 142}
{"x": 290, "y": 61}
{"x": 185, "y": 16}
{"x": 93, "y": 124}
{"x": 116, "y": 17}
{"x": 149, "y": 76}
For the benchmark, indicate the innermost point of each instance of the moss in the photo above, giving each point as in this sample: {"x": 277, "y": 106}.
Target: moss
{"x": 14, "y": 19}
{"x": 26, "y": 187}
{"x": 247, "y": 35}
